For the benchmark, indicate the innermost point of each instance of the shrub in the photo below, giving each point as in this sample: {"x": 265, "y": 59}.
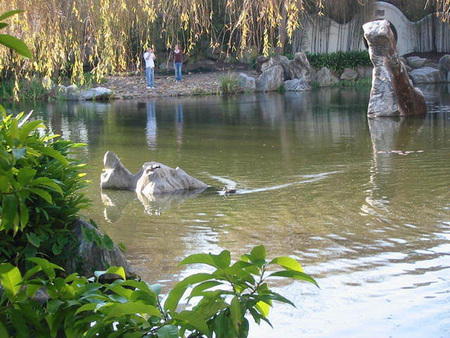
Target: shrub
{"x": 76, "y": 306}
{"x": 337, "y": 61}
{"x": 229, "y": 84}
{"x": 40, "y": 191}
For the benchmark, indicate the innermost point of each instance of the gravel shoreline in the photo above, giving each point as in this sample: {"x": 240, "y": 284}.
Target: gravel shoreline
{"x": 130, "y": 87}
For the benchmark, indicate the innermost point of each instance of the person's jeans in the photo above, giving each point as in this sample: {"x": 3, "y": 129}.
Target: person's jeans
{"x": 150, "y": 76}
{"x": 178, "y": 71}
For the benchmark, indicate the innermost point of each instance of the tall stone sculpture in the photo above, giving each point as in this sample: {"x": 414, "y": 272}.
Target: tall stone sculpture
{"x": 393, "y": 93}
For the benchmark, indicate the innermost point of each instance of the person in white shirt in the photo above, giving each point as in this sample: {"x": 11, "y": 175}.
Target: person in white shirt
{"x": 149, "y": 57}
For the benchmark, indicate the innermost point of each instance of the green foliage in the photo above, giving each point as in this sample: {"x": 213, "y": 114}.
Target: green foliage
{"x": 76, "y": 306}
{"x": 10, "y": 41}
{"x": 39, "y": 185}
{"x": 229, "y": 84}
{"x": 337, "y": 61}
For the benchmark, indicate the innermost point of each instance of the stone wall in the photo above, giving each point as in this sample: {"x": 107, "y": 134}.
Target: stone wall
{"x": 322, "y": 35}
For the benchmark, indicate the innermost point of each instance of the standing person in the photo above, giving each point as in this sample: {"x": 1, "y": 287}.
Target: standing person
{"x": 177, "y": 62}
{"x": 150, "y": 57}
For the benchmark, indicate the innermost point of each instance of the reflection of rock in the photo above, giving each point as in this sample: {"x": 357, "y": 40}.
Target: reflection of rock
{"x": 114, "y": 202}
{"x": 393, "y": 93}
{"x": 153, "y": 178}
{"x": 394, "y": 135}
{"x": 156, "y": 204}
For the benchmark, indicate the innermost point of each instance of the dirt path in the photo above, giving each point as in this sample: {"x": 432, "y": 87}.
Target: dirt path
{"x": 129, "y": 87}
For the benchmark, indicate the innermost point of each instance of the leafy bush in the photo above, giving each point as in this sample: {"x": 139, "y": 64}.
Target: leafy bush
{"x": 39, "y": 185}
{"x": 76, "y": 306}
{"x": 337, "y": 61}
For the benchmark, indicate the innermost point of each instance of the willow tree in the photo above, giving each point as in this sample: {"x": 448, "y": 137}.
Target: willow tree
{"x": 108, "y": 36}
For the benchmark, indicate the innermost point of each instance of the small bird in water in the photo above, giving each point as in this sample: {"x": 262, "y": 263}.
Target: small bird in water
{"x": 228, "y": 191}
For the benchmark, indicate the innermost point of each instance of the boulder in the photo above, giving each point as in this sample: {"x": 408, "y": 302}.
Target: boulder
{"x": 416, "y": 62}
{"x": 325, "y": 78}
{"x": 426, "y": 75}
{"x": 158, "y": 178}
{"x": 72, "y": 92}
{"x": 299, "y": 68}
{"x": 246, "y": 82}
{"x": 364, "y": 72}
{"x": 444, "y": 67}
{"x": 90, "y": 257}
{"x": 392, "y": 93}
{"x": 152, "y": 178}
{"x": 278, "y": 60}
{"x": 97, "y": 93}
{"x": 271, "y": 79}
{"x": 349, "y": 75}
{"x": 296, "y": 85}
{"x": 260, "y": 60}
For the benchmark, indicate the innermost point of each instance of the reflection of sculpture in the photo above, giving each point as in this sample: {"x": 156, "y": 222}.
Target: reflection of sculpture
{"x": 153, "y": 178}
{"x": 114, "y": 202}
{"x": 156, "y": 204}
{"x": 393, "y": 93}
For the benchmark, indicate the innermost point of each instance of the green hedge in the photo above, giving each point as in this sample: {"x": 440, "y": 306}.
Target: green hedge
{"x": 337, "y": 61}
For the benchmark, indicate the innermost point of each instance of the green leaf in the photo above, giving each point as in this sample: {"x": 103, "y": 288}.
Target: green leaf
{"x": 199, "y": 259}
{"x": 15, "y": 44}
{"x": 295, "y": 275}
{"x": 9, "y": 209}
{"x": 222, "y": 260}
{"x": 236, "y": 313}
{"x": 118, "y": 270}
{"x": 34, "y": 239}
{"x": 42, "y": 193}
{"x": 87, "y": 307}
{"x": 258, "y": 253}
{"x": 177, "y": 292}
{"x": 192, "y": 318}
{"x": 108, "y": 243}
{"x": 18, "y": 153}
{"x": 3, "y": 331}
{"x": 130, "y": 308}
{"x": 52, "y": 153}
{"x": 10, "y": 13}
{"x": 48, "y": 183}
{"x": 25, "y": 175}
{"x": 27, "y": 128}
{"x": 48, "y": 267}
{"x": 263, "y": 308}
{"x": 288, "y": 263}
{"x": 168, "y": 331}
{"x": 10, "y": 278}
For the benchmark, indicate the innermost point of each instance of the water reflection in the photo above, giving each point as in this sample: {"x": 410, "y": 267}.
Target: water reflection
{"x": 364, "y": 206}
{"x": 179, "y": 121}
{"x": 151, "y": 130}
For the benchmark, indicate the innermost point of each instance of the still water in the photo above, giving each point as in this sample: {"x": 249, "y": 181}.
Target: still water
{"x": 364, "y": 207}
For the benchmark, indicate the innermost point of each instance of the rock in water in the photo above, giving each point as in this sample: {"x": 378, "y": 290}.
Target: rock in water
{"x": 393, "y": 93}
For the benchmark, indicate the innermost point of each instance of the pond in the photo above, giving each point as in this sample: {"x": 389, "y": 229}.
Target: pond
{"x": 365, "y": 209}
